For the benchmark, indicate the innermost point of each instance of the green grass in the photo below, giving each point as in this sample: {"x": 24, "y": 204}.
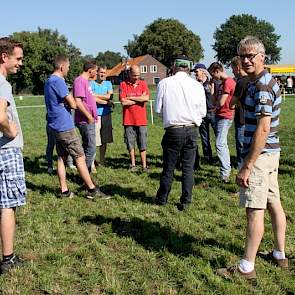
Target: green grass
{"x": 128, "y": 245}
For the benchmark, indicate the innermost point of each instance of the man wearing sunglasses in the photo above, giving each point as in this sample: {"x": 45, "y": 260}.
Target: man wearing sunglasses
{"x": 258, "y": 176}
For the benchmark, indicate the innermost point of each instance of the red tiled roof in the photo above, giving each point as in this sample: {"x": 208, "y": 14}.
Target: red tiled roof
{"x": 116, "y": 70}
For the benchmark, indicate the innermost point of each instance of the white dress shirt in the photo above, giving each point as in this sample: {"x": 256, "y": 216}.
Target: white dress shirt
{"x": 181, "y": 100}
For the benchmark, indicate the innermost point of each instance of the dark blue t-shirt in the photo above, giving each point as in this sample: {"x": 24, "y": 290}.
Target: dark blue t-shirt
{"x": 59, "y": 117}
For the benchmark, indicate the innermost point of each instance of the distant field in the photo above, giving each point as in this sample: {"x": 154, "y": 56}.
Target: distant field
{"x": 128, "y": 245}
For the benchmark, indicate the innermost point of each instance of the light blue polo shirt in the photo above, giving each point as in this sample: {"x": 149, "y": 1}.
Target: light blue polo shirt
{"x": 102, "y": 88}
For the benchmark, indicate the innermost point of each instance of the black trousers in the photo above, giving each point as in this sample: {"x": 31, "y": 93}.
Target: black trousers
{"x": 178, "y": 142}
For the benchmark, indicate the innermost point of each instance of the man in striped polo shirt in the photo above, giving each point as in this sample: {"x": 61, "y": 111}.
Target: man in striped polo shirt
{"x": 258, "y": 177}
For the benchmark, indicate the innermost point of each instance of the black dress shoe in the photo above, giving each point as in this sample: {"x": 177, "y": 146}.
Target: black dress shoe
{"x": 182, "y": 206}
{"x": 160, "y": 202}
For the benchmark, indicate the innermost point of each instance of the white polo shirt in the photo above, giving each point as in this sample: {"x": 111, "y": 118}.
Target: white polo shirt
{"x": 181, "y": 100}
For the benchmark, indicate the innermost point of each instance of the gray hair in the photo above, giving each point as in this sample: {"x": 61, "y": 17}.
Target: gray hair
{"x": 251, "y": 42}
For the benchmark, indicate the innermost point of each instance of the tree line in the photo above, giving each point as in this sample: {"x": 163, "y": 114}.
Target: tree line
{"x": 163, "y": 39}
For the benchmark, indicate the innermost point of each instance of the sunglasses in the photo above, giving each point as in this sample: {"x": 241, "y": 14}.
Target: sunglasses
{"x": 249, "y": 56}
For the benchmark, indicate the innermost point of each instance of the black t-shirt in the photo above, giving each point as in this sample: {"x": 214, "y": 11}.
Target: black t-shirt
{"x": 240, "y": 93}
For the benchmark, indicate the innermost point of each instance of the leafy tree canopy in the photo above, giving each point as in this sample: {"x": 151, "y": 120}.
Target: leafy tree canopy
{"x": 165, "y": 39}
{"x": 40, "y": 48}
{"x": 236, "y": 28}
{"x": 108, "y": 58}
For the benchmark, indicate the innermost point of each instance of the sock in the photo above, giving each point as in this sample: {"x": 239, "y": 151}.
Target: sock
{"x": 91, "y": 190}
{"x": 246, "y": 266}
{"x": 278, "y": 254}
{"x": 8, "y": 257}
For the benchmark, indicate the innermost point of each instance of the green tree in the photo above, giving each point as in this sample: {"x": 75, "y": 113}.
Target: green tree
{"x": 236, "y": 28}
{"x": 40, "y": 48}
{"x": 108, "y": 58}
{"x": 164, "y": 39}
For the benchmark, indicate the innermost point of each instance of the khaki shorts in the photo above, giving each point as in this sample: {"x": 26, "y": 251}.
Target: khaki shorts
{"x": 97, "y": 131}
{"x": 263, "y": 183}
{"x": 68, "y": 143}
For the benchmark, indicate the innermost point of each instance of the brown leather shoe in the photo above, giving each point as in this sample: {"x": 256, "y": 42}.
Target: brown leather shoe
{"x": 234, "y": 271}
{"x": 268, "y": 256}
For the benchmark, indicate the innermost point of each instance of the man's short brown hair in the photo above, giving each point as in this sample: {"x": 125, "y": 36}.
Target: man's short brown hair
{"x": 89, "y": 64}
{"x": 236, "y": 62}
{"x": 59, "y": 60}
{"x": 214, "y": 67}
{"x": 7, "y": 45}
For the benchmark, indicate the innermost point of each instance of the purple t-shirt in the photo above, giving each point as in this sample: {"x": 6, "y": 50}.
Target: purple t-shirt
{"x": 82, "y": 89}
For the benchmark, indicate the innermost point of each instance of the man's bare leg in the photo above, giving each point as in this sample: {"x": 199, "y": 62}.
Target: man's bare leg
{"x": 84, "y": 172}
{"x": 143, "y": 158}
{"x": 255, "y": 230}
{"x": 102, "y": 153}
{"x": 132, "y": 156}
{"x": 7, "y": 230}
{"x": 278, "y": 220}
{"x": 61, "y": 172}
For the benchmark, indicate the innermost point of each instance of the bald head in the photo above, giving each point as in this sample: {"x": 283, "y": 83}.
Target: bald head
{"x": 134, "y": 73}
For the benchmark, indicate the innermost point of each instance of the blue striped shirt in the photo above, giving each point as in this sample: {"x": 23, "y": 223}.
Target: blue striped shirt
{"x": 263, "y": 98}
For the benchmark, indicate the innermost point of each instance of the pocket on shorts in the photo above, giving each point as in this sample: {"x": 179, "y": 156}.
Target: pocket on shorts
{"x": 16, "y": 186}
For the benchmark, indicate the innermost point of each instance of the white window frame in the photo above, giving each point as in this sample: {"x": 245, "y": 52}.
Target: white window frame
{"x": 153, "y": 68}
{"x": 143, "y": 69}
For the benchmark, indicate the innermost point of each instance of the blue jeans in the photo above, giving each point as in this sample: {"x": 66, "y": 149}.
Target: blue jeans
{"x": 239, "y": 136}
{"x": 175, "y": 142}
{"x": 87, "y": 132}
{"x": 222, "y": 127}
{"x": 205, "y": 135}
{"x": 50, "y": 146}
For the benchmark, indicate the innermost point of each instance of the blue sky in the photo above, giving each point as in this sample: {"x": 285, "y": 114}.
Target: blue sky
{"x": 95, "y": 25}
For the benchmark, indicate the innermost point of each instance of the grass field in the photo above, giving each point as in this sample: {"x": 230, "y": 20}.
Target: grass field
{"x": 128, "y": 245}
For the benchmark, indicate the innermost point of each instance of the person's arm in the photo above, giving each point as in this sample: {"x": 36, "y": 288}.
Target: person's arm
{"x": 145, "y": 95}
{"x": 69, "y": 99}
{"x": 9, "y": 128}
{"x": 127, "y": 102}
{"x": 222, "y": 100}
{"x": 228, "y": 88}
{"x": 82, "y": 109}
{"x": 99, "y": 99}
{"x": 105, "y": 97}
{"x": 258, "y": 144}
{"x": 234, "y": 101}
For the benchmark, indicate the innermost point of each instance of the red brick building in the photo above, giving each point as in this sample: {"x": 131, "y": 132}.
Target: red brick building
{"x": 151, "y": 70}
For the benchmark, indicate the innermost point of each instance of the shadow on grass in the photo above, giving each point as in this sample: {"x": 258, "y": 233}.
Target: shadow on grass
{"x": 286, "y": 170}
{"x": 36, "y": 165}
{"x": 128, "y": 193}
{"x": 118, "y": 162}
{"x": 204, "y": 179}
{"x": 155, "y": 237}
{"x": 151, "y": 235}
{"x": 42, "y": 189}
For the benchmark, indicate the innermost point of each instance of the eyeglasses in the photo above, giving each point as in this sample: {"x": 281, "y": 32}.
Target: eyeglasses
{"x": 249, "y": 56}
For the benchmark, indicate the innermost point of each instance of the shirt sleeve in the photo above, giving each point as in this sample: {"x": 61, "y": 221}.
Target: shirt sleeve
{"x": 122, "y": 91}
{"x": 61, "y": 89}
{"x": 110, "y": 87}
{"x": 146, "y": 89}
{"x": 264, "y": 100}
{"x": 79, "y": 89}
{"x": 5, "y": 92}
{"x": 229, "y": 86}
{"x": 159, "y": 98}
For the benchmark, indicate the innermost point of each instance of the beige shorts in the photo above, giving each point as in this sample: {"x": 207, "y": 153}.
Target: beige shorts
{"x": 263, "y": 183}
{"x": 97, "y": 131}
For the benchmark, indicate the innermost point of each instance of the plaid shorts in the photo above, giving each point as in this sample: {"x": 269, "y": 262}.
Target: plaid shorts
{"x": 12, "y": 178}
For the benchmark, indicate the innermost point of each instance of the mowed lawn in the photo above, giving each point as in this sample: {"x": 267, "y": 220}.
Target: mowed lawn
{"x": 128, "y": 245}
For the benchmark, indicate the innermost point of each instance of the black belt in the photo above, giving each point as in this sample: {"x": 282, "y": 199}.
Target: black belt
{"x": 181, "y": 126}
